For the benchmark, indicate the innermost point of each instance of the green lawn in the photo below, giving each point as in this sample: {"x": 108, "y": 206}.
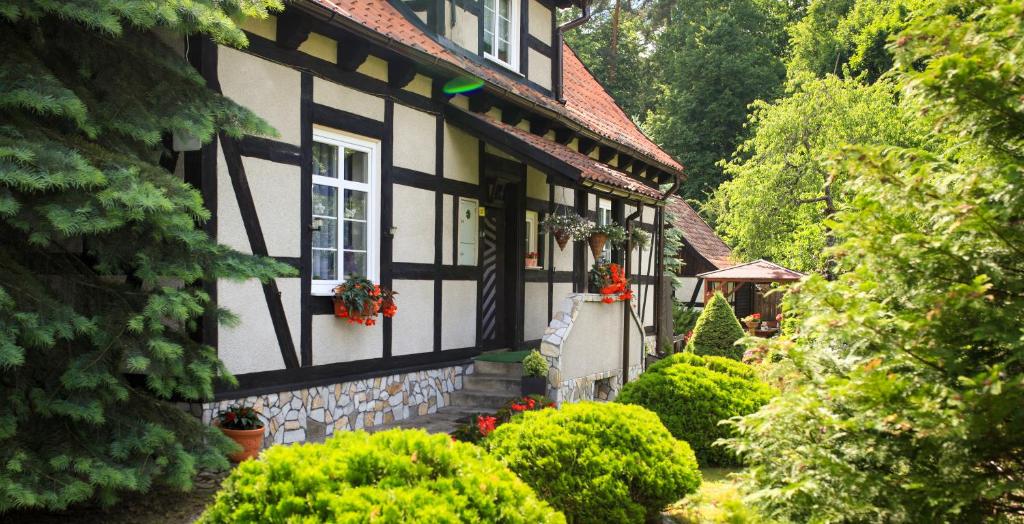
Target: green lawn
{"x": 717, "y": 501}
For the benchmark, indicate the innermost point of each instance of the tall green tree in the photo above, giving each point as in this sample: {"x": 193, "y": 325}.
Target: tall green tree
{"x": 718, "y": 57}
{"x": 627, "y": 70}
{"x": 100, "y": 253}
{"x": 911, "y": 364}
{"x": 780, "y": 192}
{"x": 847, "y": 37}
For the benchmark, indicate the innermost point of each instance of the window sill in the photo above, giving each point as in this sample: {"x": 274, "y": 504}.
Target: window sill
{"x": 505, "y": 65}
{"x": 534, "y": 268}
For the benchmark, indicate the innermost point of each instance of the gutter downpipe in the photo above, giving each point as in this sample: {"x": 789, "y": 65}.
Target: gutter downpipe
{"x": 568, "y": 26}
{"x": 629, "y": 251}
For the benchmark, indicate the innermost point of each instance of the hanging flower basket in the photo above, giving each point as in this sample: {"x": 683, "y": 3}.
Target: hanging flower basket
{"x": 597, "y": 242}
{"x": 360, "y": 301}
{"x": 565, "y": 227}
{"x": 639, "y": 238}
{"x": 598, "y": 236}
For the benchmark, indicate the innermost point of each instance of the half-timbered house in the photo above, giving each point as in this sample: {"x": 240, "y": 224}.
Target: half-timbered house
{"x": 377, "y": 171}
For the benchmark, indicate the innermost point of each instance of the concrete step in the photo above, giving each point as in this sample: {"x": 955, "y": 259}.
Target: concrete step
{"x": 507, "y": 369}
{"x": 482, "y": 402}
{"x": 497, "y": 384}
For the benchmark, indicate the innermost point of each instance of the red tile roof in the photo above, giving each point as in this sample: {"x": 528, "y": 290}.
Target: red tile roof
{"x": 586, "y": 102}
{"x": 590, "y": 169}
{"x": 756, "y": 271}
{"x": 698, "y": 234}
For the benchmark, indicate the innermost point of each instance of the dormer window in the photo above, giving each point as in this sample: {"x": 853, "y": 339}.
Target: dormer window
{"x": 501, "y": 32}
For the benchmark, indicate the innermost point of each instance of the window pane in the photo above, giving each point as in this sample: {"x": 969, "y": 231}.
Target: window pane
{"x": 355, "y": 235}
{"x": 325, "y": 265}
{"x": 325, "y": 160}
{"x": 503, "y": 51}
{"x": 357, "y": 166}
{"x": 503, "y": 8}
{"x": 325, "y": 200}
{"x": 355, "y": 204}
{"x": 327, "y": 235}
{"x": 354, "y": 263}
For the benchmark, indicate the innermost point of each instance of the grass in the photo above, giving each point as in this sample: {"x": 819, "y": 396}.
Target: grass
{"x": 504, "y": 356}
{"x": 717, "y": 501}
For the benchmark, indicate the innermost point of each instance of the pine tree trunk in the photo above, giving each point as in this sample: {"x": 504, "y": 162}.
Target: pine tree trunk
{"x": 613, "y": 58}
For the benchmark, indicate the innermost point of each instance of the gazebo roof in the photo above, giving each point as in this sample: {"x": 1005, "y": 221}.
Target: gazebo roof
{"x": 756, "y": 271}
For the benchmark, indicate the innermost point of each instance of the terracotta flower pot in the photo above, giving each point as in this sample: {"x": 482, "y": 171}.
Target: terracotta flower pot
{"x": 534, "y": 386}
{"x": 531, "y": 262}
{"x": 597, "y": 242}
{"x": 562, "y": 237}
{"x": 251, "y": 441}
{"x": 752, "y": 324}
{"x": 339, "y": 309}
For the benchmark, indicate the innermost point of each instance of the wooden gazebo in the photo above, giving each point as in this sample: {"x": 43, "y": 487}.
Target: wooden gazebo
{"x": 754, "y": 276}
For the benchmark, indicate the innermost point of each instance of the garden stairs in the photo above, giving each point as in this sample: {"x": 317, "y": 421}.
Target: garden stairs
{"x": 491, "y": 385}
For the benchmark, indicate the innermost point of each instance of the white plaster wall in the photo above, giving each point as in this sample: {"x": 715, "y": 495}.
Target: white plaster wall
{"x": 565, "y": 196}
{"x": 464, "y": 32}
{"x": 535, "y": 305}
{"x": 269, "y": 90}
{"x": 415, "y": 137}
{"x": 540, "y": 22}
{"x": 291, "y": 297}
{"x": 230, "y": 230}
{"x": 414, "y": 218}
{"x": 374, "y": 67}
{"x": 412, "y": 328}
{"x": 563, "y": 259}
{"x": 251, "y": 345}
{"x": 266, "y": 27}
{"x": 595, "y": 342}
{"x": 461, "y": 155}
{"x": 447, "y": 229}
{"x": 685, "y": 291}
{"x": 458, "y": 314}
{"x": 336, "y": 340}
{"x": 648, "y": 215}
{"x": 540, "y": 69}
{"x": 321, "y": 47}
{"x": 276, "y": 196}
{"x": 536, "y": 184}
{"x": 347, "y": 99}
{"x": 421, "y": 85}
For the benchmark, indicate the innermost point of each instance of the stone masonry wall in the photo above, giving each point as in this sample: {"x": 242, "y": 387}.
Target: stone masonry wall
{"x": 315, "y": 413}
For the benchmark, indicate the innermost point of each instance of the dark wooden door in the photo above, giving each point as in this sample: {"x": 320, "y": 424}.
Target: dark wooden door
{"x": 494, "y": 331}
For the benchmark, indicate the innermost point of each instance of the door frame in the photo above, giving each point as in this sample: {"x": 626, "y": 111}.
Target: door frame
{"x": 511, "y": 201}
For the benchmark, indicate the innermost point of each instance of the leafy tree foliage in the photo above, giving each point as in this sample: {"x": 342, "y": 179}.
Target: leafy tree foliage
{"x": 780, "y": 193}
{"x": 717, "y": 330}
{"x": 101, "y": 254}
{"x": 717, "y": 57}
{"x": 907, "y": 408}
{"x": 847, "y": 37}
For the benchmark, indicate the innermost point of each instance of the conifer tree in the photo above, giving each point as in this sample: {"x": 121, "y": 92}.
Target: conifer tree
{"x": 101, "y": 259}
{"x": 717, "y": 330}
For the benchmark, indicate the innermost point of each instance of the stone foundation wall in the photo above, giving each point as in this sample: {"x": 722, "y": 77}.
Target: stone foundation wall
{"x": 315, "y": 413}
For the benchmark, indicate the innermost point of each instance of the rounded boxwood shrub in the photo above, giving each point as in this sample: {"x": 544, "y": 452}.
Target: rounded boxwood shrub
{"x": 691, "y": 394}
{"x": 717, "y": 330}
{"x": 598, "y": 462}
{"x": 391, "y": 476}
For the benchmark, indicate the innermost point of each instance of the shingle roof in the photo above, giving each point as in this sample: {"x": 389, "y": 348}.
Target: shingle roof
{"x": 756, "y": 271}
{"x": 589, "y": 168}
{"x": 698, "y": 234}
{"x": 586, "y": 102}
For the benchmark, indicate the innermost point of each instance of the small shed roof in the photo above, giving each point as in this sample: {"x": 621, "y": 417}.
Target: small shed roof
{"x": 698, "y": 234}
{"x": 756, "y": 271}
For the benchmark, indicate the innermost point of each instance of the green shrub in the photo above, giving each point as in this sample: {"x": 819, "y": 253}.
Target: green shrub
{"x": 717, "y": 330}
{"x": 391, "y": 476}
{"x": 691, "y": 394}
{"x": 535, "y": 365}
{"x": 598, "y": 462}
{"x": 683, "y": 318}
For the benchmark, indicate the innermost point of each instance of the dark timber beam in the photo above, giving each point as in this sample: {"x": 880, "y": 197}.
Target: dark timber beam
{"x": 624, "y": 162}
{"x": 564, "y": 135}
{"x": 400, "y": 73}
{"x": 352, "y": 52}
{"x": 586, "y": 145}
{"x": 540, "y": 126}
{"x": 512, "y": 115}
{"x": 605, "y": 154}
{"x": 639, "y": 170}
{"x": 292, "y": 30}
{"x": 481, "y": 102}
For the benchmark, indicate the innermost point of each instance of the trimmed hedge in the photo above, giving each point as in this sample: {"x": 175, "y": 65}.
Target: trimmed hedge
{"x": 598, "y": 462}
{"x": 717, "y": 330}
{"x": 391, "y": 476}
{"x": 691, "y": 394}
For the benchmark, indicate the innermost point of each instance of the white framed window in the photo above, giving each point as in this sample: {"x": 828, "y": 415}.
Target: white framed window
{"x": 346, "y": 209}
{"x": 604, "y": 217}
{"x": 531, "y": 230}
{"x": 501, "y": 32}
{"x": 468, "y": 233}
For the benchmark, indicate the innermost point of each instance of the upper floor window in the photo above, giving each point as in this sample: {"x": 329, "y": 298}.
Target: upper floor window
{"x": 346, "y": 209}
{"x": 501, "y": 32}
{"x": 604, "y": 217}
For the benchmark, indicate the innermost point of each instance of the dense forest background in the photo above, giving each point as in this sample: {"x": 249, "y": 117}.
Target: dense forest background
{"x": 751, "y": 96}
